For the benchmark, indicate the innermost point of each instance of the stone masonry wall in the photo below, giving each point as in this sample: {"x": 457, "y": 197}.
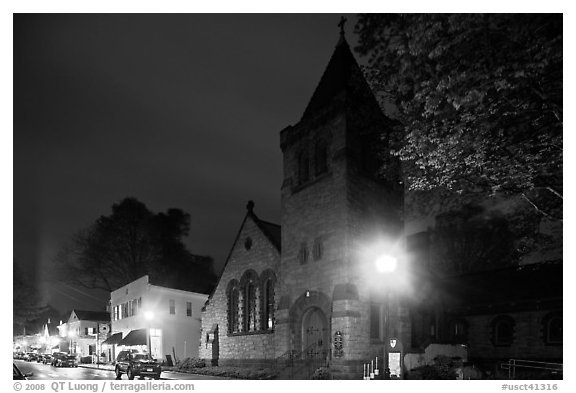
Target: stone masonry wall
{"x": 312, "y": 212}
{"x": 261, "y": 256}
{"x": 527, "y": 344}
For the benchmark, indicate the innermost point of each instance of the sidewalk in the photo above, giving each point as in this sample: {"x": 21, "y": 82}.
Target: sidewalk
{"x": 170, "y": 375}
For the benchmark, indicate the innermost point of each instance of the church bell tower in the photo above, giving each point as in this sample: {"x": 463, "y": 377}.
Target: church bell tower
{"x": 334, "y": 203}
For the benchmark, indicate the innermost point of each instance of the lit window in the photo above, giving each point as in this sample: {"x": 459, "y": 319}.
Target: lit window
{"x": 233, "y": 294}
{"x": 250, "y": 307}
{"x": 268, "y": 305}
{"x": 172, "y": 306}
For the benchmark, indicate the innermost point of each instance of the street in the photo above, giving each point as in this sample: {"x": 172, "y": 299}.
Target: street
{"x": 46, "y": 371}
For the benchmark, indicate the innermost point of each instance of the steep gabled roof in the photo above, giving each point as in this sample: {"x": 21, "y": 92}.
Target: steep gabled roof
{"x": 84, "y": 315}
{"x": 342, "y": 80}
{"x": 270, "y": 230}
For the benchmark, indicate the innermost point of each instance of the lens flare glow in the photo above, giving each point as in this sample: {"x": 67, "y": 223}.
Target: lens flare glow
{"x": 386, "y": 264}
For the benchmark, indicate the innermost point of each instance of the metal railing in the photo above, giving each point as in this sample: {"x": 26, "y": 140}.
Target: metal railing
{"x": 513, "y": 364}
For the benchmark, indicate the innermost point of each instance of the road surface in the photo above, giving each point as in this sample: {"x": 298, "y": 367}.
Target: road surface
{"x": 46, "y": 371}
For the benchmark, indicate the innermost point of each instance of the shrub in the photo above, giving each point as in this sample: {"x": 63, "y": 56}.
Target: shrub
{"x": 443, "y": 368}
{"x": 322, "y": 373}
{"x": 190, "y": 363}
{"x": 232, "y": 372}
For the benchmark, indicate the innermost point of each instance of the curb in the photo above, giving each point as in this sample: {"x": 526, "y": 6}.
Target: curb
{"x": 174, "y": 377}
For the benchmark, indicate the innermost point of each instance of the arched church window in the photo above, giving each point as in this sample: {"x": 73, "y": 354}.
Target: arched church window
{"x": 248, "y": 288}
{"x": 233, "y": 296}
{"x": 268, "y": 317}
{"x": 502, "y": 331}
{"x": 250, "y": 307}
{"x": 458, "y": 329}
{"x": 317, "y": 249}
{"x": 368, "y": 155}
{"x": 303, "y": 167}
{"x": 552, "y": 325}
{"x": 267, "y": 304}
{"x": 248, "y": 243}
{"x": 321, "y": 158}
{"x": 303, "y": 253}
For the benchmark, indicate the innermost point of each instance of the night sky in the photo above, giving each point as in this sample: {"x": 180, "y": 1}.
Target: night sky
{"x": 177, "y": 110}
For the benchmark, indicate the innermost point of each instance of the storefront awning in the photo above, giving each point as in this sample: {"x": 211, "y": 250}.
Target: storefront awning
{"x": 135, "y": 337}
{"x": 113, "y": 339}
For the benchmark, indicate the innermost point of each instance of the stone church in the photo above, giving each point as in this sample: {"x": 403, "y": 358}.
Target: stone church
{"x": 311, "y": 288}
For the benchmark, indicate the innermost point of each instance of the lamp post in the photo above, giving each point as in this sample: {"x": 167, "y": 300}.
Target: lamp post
{"x": 148, "y": 316}
{"x": 386, "y": 265}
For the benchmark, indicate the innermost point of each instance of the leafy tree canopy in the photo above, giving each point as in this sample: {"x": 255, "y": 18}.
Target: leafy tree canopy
{"x": 26, "y": 303}
{"x": 479, "y": 99}
{"x": 132, "y": 242}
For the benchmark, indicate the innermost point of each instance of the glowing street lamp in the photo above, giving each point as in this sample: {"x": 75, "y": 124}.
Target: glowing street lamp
{"x": 386, "y": 263}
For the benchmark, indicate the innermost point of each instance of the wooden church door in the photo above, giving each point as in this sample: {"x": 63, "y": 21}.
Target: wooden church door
{"x": 315, "y": 333}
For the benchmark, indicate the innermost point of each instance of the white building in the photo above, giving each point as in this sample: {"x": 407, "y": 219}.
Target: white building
{"x": 84, "y": 332}
{"x": 171, "y": 315}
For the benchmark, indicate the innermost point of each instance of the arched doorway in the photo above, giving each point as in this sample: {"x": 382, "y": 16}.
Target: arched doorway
{"x": 315, "y": 333}
{"x": 309, "y": 318}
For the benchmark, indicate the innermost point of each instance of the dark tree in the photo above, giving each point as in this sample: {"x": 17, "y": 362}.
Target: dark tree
{"x": 26, "y": 303}
{"x": 132, "y": 242}
{"x": 472, "y": 239}
{"x": 478, "y": 97}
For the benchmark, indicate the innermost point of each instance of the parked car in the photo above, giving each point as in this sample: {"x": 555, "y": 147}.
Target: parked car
{"x": 47, "y": 359}
{"x": 56, "y": 356}
{"x": 135, "y": 364}
{"x": 19, "y": 375}
{"x": 30, "y": 356}
{"x": 62, "y": 359}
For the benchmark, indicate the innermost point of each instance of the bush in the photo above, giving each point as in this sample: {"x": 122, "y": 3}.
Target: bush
{"x": 233, "y": 372}
{"x": 443, "y": 368}
{"x": 322, "y": 373}
{"x": 191, "y": 363}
